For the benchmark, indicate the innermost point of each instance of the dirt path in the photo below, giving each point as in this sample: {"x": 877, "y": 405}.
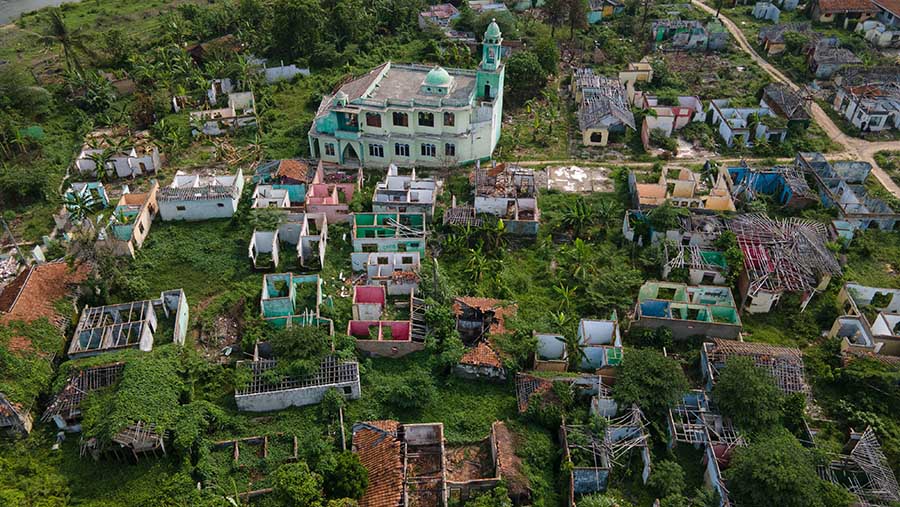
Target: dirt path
{"x": 853, "y": 148}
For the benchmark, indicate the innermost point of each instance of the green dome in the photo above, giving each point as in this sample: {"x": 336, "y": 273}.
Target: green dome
{"x": 493, "y": 30}
{"x": 438, "y": 77}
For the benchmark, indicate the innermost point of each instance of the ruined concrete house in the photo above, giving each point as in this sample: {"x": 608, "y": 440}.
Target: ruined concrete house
{"x": 410, "y": 464}
{"x": 593, "y": 456}
{"x": 784, "y": 364}
{"x": 130, "y": 325}
{"x": 841, "y": 186}
{"x": 786, "y": 103}
{"x": 481, "y": 362}
{"x": 706, "y": 267}
{"x": 785, "y": 184}
{"x": 331, "y": 191}
{"x": 864, "y": 470}
{"x": 695, "y": 229}
{"x": 744, "y": 126}
{"x": 508, "y": 192}
{"x": 281, "y": 184}
{"x": 305, "y": 235}
{"x": 668, "y": 119}
{"x": 477, "y": 318}
{"x": 688, "y": 35}
{"x": 683, "y": 188}
{"x": 772, "y": 37}
{"x": 826, "y": 57}
{"x": 602, "y": 107}
{"x": 240, "y": 112}
{"x": 599, "y": 347}
{"x": 194, "y": 197}
{"x": 386, "y": 232}
{"x": 91, "y": 192}
{"x": 130, "y": 222}
{"x": 873, "y": 105}
{"x": 687, "y": 310}
{"x": 262, "y": 396}
{"x": 292, "y": 300}
{"x": 125, "y": 154}
{"x": 766, "y": 11}
{"x": 386, "y": 338}
{"x": 870, "y": 324}
{"x": 397, "y": 272}
{"x": 65, "y": 408}
{"x": 401, "y": 194}
{"x": 696, "y": 422}
{"x": 33, "y": 295}
{"x": 788, "y": 255}
{"x": 844, "y": 13}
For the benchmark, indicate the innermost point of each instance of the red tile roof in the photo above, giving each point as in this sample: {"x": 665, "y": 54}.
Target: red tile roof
{"x": 293, "y": 169}
{"x": 379, "y": 450}
{"x": 31, "y": 296}
{"x": 892, "y": 6}
{"x": 501, "y": 309}
{"x": 482, "y": 355}
{"x": 835, "y": 6}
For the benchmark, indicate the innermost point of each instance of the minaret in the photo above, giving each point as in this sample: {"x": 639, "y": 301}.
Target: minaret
{"x": 490, "y": 70}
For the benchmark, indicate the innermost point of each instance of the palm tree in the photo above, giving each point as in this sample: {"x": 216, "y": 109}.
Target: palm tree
{"x": 573, "y": 348}
{"x": 79, "y": 205}
{"x": 101, "y": 163}
{"x": 580, "y": 259}
{"x": 566, "y": 294}
{"x": 71, "y": 42}
{"x": 578, "y": 216}
{"x": 607, "y": 213}
{"x": 477, "y": 265}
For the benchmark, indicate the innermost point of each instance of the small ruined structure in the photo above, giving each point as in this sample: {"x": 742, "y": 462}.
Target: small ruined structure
{"x": 481, "y": 362}
{"x": 65, "y": 408}
{"x": 402, "y": 194}
{"x": 688, "y": 35}
{"x": 841, "y": 186}
{"x": 476, "y": 318}
{"x": 599, "y": 343}
{"x": 746, "y": 125}
{"x": 386, "y": 338}
{"x": 386, "y": 232}
{"x": 786, "y": 103}
{"x": 602, "y": 107}
{"x": 292, "y": 300}
{"x": 397, "y": 272}
{"x": 668, "y": 119}
{"x": 551, "y": 353}
{"x": 414, "y": 466}
{"x": 261, "y": 395}
{"x": 772, "y": 37}
{"x": 766, "y": 11}
{"x": 870, "y": 324}
{"x": 706, "y": 267}
{"x": 130, "y": 222}
{"x": 785, "y": 364}
{"x": 785, "y": 184}
{"x": 826, "y": 57}
{"x": 788, "y": 255}
{"x": 440, "y": 15}
{"x": 695, "y": 229}
{"x": 532, "y": 389}
{"x": 683, "y": 188}
{"x": 636, "y": 72}
{"x": 696, "y": 422}
{"x": 123, "y": 153}
{"x": 873, "y": 104}
{"x": 305, "y": 233}
{"x": 598, "y": 10}
{"x": 130, "y": 325}
{"x": 199, "y": 197}
{"x": 880, "y": 34}
{"x": 687, "y": 310}
{"x": 864, "y": 470}
{"x": 281, "y": 184}
{"x": 594, "y": 456}
{"x": 331, "y": 190}
{"x": 508, "y": 192}
{"x": 240, "y": 112}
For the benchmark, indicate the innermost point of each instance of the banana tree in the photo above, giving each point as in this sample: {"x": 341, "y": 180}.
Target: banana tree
{"x": 79, "y": 205}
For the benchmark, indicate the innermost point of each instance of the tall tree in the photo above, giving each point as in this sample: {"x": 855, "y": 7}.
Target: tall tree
{"x": 557, "y": 13}
{"x": 577, "y": 15}
{"x": 71, "y": 42}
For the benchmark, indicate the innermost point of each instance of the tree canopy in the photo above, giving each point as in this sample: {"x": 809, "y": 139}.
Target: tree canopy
{"x": 649, "y": 379}
{"x": 748, "y": 395}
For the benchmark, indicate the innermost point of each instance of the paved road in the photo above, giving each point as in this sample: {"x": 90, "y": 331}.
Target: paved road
{"x": 858, "y": 149}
